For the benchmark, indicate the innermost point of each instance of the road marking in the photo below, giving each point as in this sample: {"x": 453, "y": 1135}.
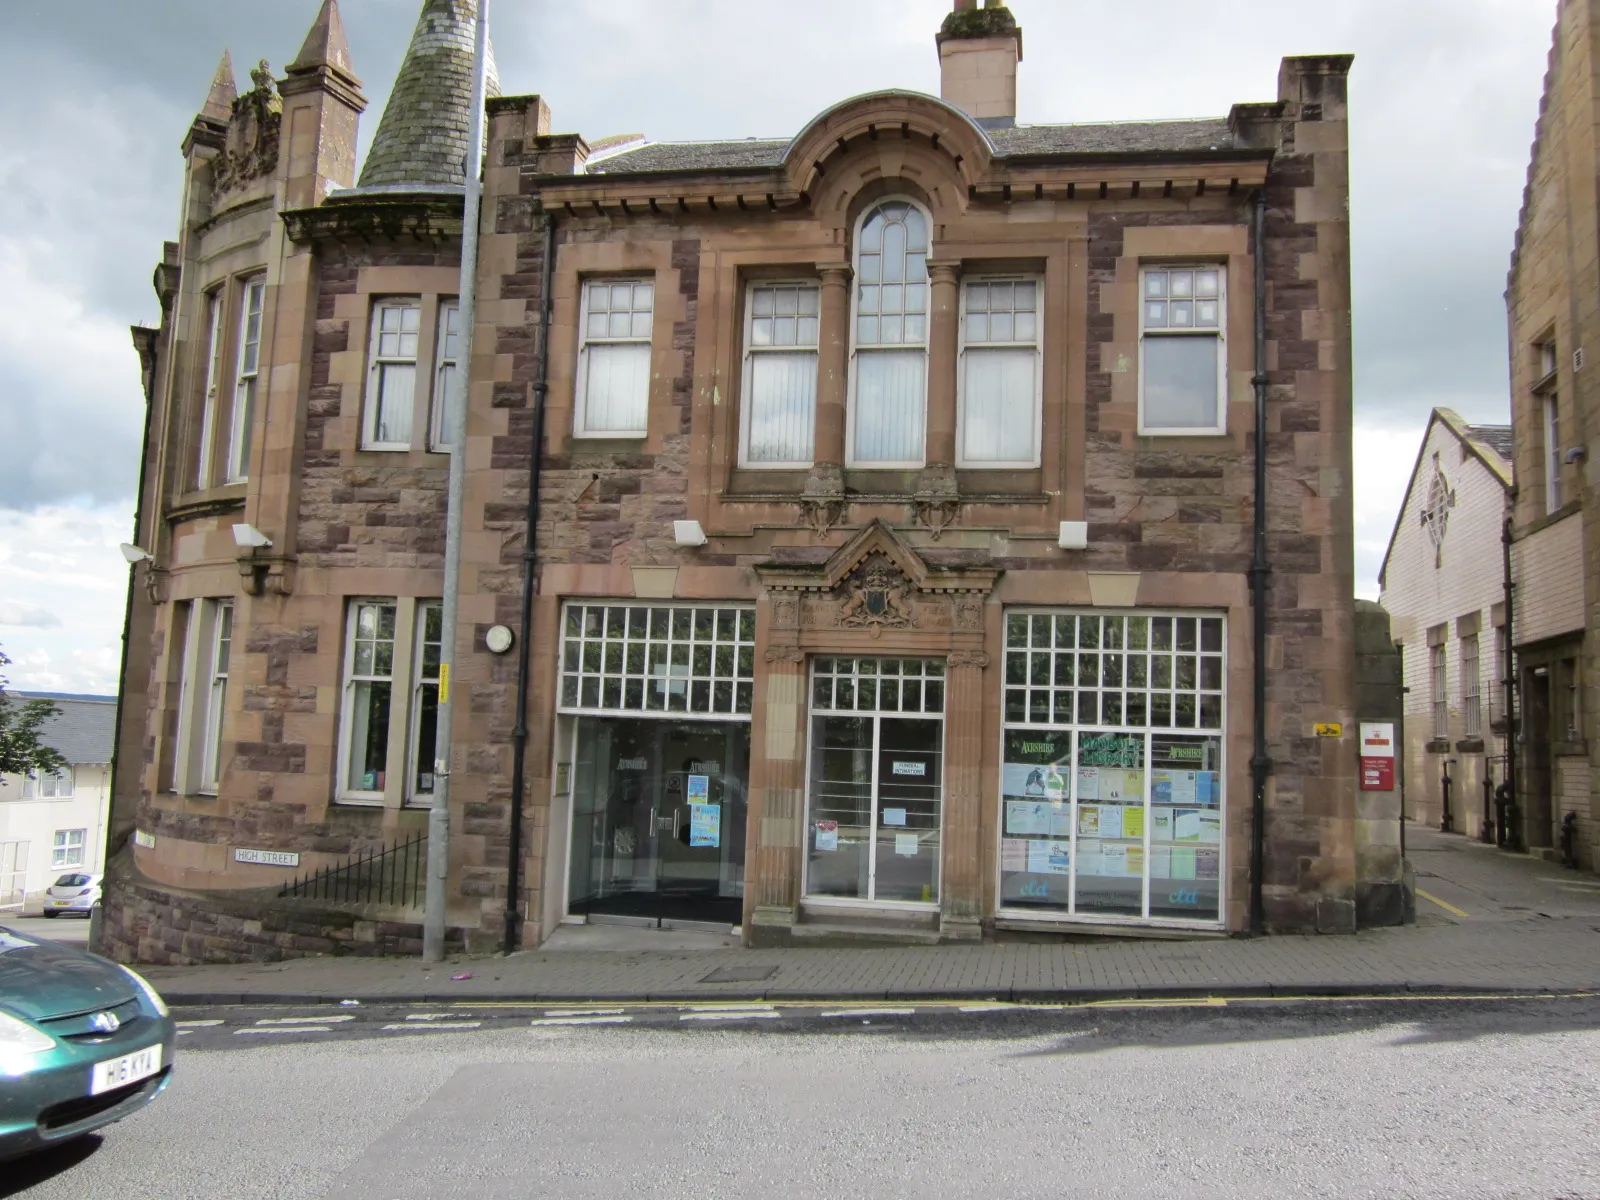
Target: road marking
{"x": 432, "y": 1026}
{"x": 736, "y": 1015}
{"x": 1449, "y": 908}
{"x": 581, "y": 1012}
{"x": 428, "y": 1016}
{"x": 868, "y": 1012}
{"x": 185, "y": 1033}
{"x": 732, "y": 1007}
{"x": 303, "y": 1020}
{"x": 983, "y": 1008}
{"x": 612, "y": 1020}
{"x": 1162, "y": 1002}
{"x": 284, "y": 1029}
{"x": 197, "y": 1024}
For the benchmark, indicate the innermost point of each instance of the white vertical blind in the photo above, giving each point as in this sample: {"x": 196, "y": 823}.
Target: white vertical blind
{"x": 392, "y": 392}
{"x": 891, "y": 389}
{"x": 444, "y": 372}
{"x": 617, "y": 319}
{"x": 891, "y": 336}
{"x": 780, "y": 375}
{"x": 244, "y": 390}
{"x": 1000, "y": 372}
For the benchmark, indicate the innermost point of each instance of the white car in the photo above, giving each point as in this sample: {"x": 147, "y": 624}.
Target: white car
{"x": 75, "y": 893}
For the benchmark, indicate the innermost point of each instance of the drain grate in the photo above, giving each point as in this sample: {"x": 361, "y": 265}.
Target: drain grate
{"x": 751, "y": 973}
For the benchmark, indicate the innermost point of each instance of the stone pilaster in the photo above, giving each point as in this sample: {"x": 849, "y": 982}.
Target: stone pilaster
{"x": 833, "y": 380}
{"x": 961, "y": 888}
{"x": 944, "y": 309}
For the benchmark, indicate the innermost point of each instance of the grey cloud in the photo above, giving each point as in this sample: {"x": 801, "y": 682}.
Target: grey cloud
{"x": 29, "y": 616}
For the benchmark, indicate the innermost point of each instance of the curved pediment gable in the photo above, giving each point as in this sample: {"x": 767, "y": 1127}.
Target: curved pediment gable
{"x": 887, "y": 117}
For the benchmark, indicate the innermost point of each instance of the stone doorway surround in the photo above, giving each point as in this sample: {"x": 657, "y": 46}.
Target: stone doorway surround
{"x": 874, "y": 595}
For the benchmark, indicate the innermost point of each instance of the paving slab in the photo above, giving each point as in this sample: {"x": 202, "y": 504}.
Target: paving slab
{"x": 1500, "y": 923}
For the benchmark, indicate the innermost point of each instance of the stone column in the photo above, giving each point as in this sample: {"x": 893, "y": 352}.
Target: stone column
{"x": 774, "y": 840}
{"x": 944, "y": 310}
{"x": 833, "y": 381}
{"x": 961, "y": 887}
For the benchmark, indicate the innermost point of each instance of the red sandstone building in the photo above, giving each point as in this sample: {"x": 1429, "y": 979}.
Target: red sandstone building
{"x": 893, "y": 530}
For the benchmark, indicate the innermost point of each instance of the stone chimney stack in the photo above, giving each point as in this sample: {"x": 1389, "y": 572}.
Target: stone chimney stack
{"x": 979, "y": 49}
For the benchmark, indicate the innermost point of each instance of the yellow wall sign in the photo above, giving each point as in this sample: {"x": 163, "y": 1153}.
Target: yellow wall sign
{"x": 1329, "y": 729}
{"x": 444, "y": 684}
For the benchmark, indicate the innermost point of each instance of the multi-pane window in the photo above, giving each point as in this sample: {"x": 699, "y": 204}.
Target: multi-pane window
{"x": 1497, "y": 673}
{"x": 216, "y": 696}
{"x": 1183, "y": 359}
{"x": 1000, "y": 376}
{"x": 67, "y": 849}
{"x": 658, "y": 658}
{"x": 392, "y": 375}
{"x": 614, "y": 357}
{"x": 245, "y": 379}
{"x": 46, "y": 785}
{"x": 780, "y": 375}
{"x": 890, "y": 685}
{"x": 211, "y": 404}
{"x": 891, "y": 337}
{"x": 425, "y": 700}
{"x": 1564, "y": 699}
{"x": 1552, "y": 450}
{"x": 445, "y": 360}
{"x": 1162, "y": 672}
{"x": 368, "y": 693}
{"x": 1438, "y": 678}
{"x": 1471, "y": 690}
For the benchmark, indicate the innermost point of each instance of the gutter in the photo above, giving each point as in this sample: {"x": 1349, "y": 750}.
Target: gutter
{"x": 530, "y": 563}
{"x": 1260, "y": 760}
{"x": 1509, "y": 681}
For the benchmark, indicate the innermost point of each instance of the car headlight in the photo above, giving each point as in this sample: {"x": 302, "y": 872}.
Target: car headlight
{"x": 18, "y": 1037}
{"x": 150, "y": 994}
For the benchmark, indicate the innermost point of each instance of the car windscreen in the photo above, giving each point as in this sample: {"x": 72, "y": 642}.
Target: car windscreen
{"x": 72, "y": 881}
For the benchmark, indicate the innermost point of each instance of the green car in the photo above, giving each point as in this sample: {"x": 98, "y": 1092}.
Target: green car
{"x": 83, "y": 1043}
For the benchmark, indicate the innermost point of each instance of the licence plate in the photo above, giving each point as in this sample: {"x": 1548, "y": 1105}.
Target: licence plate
{"x": 130, "y": 1068}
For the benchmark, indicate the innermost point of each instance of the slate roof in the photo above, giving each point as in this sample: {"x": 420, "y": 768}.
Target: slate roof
{"x": 84, "y": 731}
{"x": 422, "y": 138}
{"x": 1497, "y": 437}
{"x": 1123, "y": 137}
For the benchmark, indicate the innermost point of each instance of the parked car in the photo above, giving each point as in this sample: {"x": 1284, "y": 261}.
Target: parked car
{"x": 74, "y": 893}
{"x": 83, "y": 1043}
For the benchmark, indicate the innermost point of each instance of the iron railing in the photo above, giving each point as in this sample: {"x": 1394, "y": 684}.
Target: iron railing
{"x": 393, "y": 877}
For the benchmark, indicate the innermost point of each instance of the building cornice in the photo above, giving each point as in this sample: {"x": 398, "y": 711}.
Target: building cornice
{"x": 363, "y": 220}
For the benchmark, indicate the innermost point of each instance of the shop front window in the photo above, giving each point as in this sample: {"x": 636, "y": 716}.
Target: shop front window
{"x": 1112, "y": 797}
{"x": 876, "y": 779}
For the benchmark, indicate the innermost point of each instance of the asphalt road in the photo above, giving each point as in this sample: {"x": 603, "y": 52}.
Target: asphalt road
{"x": 73, "y": 931}
{"x": 1272, "y": 1099}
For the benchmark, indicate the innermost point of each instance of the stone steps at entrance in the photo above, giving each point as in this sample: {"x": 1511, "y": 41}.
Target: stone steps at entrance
{"x": 852, "y": 933}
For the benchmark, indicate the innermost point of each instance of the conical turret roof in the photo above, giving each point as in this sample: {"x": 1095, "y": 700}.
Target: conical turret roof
{"x": 422, "y": 138}
{"x": 224, "y": 90}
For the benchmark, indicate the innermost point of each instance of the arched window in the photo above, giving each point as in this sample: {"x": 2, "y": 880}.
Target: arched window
{"x": 890, "y": 337}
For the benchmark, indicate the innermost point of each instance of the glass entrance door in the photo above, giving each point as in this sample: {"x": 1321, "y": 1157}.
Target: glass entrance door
{"x": 876, "y": 779}
{"x": 658, "y": 818}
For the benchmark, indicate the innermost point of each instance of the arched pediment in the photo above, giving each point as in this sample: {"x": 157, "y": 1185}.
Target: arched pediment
{"x": 881, "y": 116}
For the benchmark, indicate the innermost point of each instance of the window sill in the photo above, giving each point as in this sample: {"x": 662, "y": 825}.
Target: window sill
{"x": 1578, "y": 749}
{"x": 1438, "y": 746}
{"x": 1568, "y": 509}
{"x": 206, "y": 502}
{"x": 360, "y": 801}
{"x": 1470, "y": 746}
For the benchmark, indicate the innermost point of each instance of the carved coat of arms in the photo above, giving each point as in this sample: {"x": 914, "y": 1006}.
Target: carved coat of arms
{"x": 877, "y": 595}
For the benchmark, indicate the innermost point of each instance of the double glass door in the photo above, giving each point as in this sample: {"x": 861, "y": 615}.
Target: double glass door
{"x": 876, "y": 779}
{"x": 658, "y": 814}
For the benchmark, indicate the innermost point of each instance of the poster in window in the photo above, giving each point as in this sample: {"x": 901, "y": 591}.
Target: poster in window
{"x": 1049, "y": 858}
{"x": 705, "y": 824}
{"x": 827, "y": 836}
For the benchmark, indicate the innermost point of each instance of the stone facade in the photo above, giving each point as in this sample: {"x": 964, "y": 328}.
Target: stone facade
{"x": 1553, "y": 312}
{"x": 1444, "y": 585}
{"x": 960, "y": 548}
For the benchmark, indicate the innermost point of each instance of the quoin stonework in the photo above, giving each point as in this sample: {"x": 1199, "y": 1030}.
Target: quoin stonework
{"x": 886, "y": 491}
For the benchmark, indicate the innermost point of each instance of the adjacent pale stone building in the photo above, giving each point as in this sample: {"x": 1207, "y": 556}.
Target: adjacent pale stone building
{"x": 1553, "y": 310}
{"x": 866, "y": 515}
{"x": 1443, "y": 585}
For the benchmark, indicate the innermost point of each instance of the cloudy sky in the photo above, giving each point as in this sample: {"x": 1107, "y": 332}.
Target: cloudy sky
{"x": 95, "y": 96}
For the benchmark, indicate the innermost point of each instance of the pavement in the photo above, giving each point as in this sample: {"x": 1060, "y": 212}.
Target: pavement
{"x": 1488, "y": 922}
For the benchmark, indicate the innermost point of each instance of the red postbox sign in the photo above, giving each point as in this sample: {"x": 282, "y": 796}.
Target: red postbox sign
{"x": 1377, "y": 756}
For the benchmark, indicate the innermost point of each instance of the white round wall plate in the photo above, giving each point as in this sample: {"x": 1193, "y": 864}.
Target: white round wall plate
{"x": 498, "y": 639}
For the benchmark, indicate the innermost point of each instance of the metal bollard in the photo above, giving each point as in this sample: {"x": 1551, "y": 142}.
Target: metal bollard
{"x": 1569, "y": 840}
{"x": 1445, "y": 822}
{"x": 1486, "y": 834}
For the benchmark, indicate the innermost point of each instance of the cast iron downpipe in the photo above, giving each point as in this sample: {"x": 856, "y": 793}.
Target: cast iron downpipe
{"x": 1260, "y": 762}
{"x": 530, "y": 563}
{"x": 1513, "y": 839}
